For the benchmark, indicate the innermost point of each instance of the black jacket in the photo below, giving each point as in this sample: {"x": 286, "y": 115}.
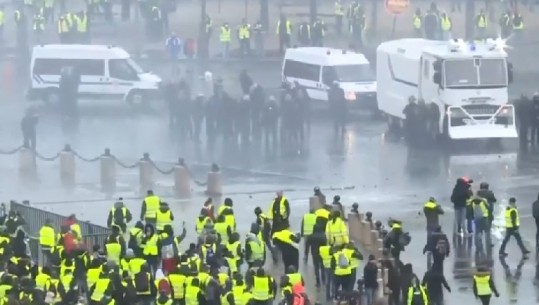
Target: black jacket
{"x": 370, "y": 275}
{"x": 434, "y": 282}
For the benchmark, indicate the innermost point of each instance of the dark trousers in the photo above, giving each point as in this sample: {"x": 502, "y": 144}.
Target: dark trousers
{"x": 485, "y": 299}
{"x": 342, "y": 282}
{"x": 284, "y": 42}
{"x": 327, "y": 278}
{"x": 537, "y": 234}
{"x": 30, "y": 141}
{"x": 307, "y": 245}
{"x": 512, "y": 232}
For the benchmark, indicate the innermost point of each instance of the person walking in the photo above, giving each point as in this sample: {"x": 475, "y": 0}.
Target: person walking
{"x": 483, "y": 286}
{"x": 512, "y": 224}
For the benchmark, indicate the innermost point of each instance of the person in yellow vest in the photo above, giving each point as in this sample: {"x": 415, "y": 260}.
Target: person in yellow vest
{"x": 202, "y": 220}
{"x": 224, "y": 38}
{"x": 115, "y": 246}
{"x": 119, "y": 215}
{"x": 287, "y": 242}
{"x": 150, "y": 243}
{"x": 432, "y": 211}
{"x": 38, "y": 26}
{"x": 178, "y": 280}
{"x": 244, "y": 35}
{"x": 223, "y": 230}
{"x": 263, "y": 287}
{"x": 483, "y": 286}
{"x": 193, "y": 293}
{"x": 326, "y": 255}
{"x": 47, "y": 240}
{"x": 81, "y": 23}
{"x": 284, "y": 31}
{"x": 74, "y": 226}
{"x": 342, "y": 270}
{"x": 354, "y": 256}
{"x": 67, "y": 287}
{"x": 255, "y": 251}
{"x": 339, "y": 14}
{"x": 336, "y": 230}
{"x": 227, "y": 210}
{"x": 63, "y": 29}
{"x": 417, "y": 294}
{"x": 505, "y": 24}
{"x": 417, "y": 23}
{"x": 279, "y": 212}
{"x": 290, "y": 279}
{"x": 233, "y": 253}
{"x": 144, "y": 285}
{"x": 481, "y": 24}
{"x": 149, "y": 208}
{"x": 163, "y": 298}
{"x": 163, "y": 217}
{"x": 512, "y": 224}
{"x": 2, "y": 20}
{"x": 307, "y": 227}
{"x": 264, "y": 225}
{"x": 43, "y": 278}
{"x": 103, "y": 286}
{"x": 136, "y": 235}
{"x": 518, "y": 26}
{"x": 318, "y": 32}
{"x": 323, "y": 214}
{"x": 446, "y": 25}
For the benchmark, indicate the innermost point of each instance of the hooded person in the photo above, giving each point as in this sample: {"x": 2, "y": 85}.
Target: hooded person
{"x": 150, "y": 250}
{"x": 438, "y": 245}
{"x": 459, "y": 197}
{"x": 255, "y": 249}
{"x": 119, "y": 215}
{"x": 136, "y": 235}
{"x": 163, "y": 217}
{"x": 417, "y": 294}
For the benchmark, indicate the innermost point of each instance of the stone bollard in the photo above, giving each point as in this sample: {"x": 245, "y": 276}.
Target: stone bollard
{"x": 354, "y": 227}
{"x": 314, "y": 203}
{"x": 145, "y": 169}
{"x": 27, "y": 164}
{"x": 379, "y": 247}
{"x": 385, "y": 274}
{"x": 366, "y": 234}
{"x": 107, "y": 171}
{"x": 182, "y": 180}
{"x": 67, "y": 167}
{"x": 214, "y": 186}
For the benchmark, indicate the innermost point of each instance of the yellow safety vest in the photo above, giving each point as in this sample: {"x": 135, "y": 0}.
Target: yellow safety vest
{"x": 354, "y": 262}
{"x": 245, "y": 31}
{"x": 231, "y": 221}
{"x": 92, "y": 276}
{"x": 3, "y": 290}
{"x": 191, "y": 295}
{"x": 417, "y": 22}
{"x": 339, "y": 11}
{"x": 430, "y": 205}
{"x": 337, "y": 232}
{"x": 509, "y": 221}
{"x": 239, "y": 295}
{"x": 288, "y": 31}
{"x": 325, "y": 255}
{"x": 221, "y": 228}
{"x": 43, "y": 281}
{"x": 282, "y": 208}
{"x": 309, "y": 220}
{"x": 2, "y": 17}
{"x": 322, "y": 213}
{"x": 201, "y": 224}
{"x": 76, "y": 228}
{"x": 225, "y": 34}
{"x": 82, "y": 27}
{"x": 261, "y": 288}
{"x": 233, "y": 262}
{"x": 113, "y": 211}
{"x": 152, "y": 206}
{"x": 136, "y": 233}
{"x": 151, "y": 246}
{"x": 482, "y": 283}
{"x": 412, "y": 291}
{"x": 258, "y": 249}
{"x": 177, "y": 282}
{"x": 294, "y": 278}
{"x": 66, "y": 282}
{"x": 135, "y": 264}
{"x": 46, "y": 237}
{"x": 446, "y": 24}
{"x": 284, "y": 236}
{"x": 162, "y": 219}
{"x": 520, "y": 25}
{"x": 338, "y": 269}
{"x": 114, "y": 250}
{"x": 484, "y": 208}
{"x": 100, "y": 288}
{"x": 481, "y": 21}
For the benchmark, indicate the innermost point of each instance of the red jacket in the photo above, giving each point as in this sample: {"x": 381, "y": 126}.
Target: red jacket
{"x": 70, "y": 243}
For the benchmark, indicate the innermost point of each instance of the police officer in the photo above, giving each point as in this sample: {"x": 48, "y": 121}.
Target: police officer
{"x": 304, "y": 34}
{"x": 339, "y": 14}
{"x": 481, "y": 24}
{"x": 284, "y": 31}
{"x": 318, "y": 33}
{"x": 38, "y": 26}
{"x": 81, "y": 22}
{"x": 483, "y": 285}
{"x": 417, "y": 23}
{"x": 244, "y": 35}
{"x": 518, "y": 26}
{"x": 505, "y": 24}
{"x": 512, "y": 224}
{"x": 224, "y": 38}
{"x": 149, "y": 208}
{"x": 63, "y": 29}
{"x": 446, "y": 26}
{"x": 258, "y": 33}
{"x": 119, "y": 215}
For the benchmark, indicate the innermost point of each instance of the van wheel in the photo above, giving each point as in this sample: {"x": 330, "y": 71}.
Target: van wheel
{"x": 51, "y": 97}
{"x": 136, "y": 98}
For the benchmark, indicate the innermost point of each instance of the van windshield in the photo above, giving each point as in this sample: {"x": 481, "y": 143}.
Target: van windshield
{"x": 135, "y": 66}
{"x": 354, "y": 73}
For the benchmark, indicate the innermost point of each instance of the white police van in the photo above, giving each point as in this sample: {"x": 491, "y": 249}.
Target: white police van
{"x": 106, "y": 72}
{"x": 316, "y": 68}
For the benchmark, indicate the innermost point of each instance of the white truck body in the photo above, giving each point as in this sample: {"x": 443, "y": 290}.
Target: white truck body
{"x": 315, "y": 69}
{"x": 472, "y": 93}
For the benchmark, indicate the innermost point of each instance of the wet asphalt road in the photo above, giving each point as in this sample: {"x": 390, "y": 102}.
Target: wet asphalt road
{"x": 389, "y": 178}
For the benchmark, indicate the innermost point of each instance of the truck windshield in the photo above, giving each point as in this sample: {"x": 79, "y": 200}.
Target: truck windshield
{"x": 354, "y": 73}
{"x": 135, "y": 66}
{"x": 475, "y": 73}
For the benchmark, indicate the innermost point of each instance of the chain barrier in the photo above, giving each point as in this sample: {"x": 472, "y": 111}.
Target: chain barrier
{"x": 86, "y": 159}
{"x": 164, "y": 172}
{"x": 197, "y": 182}
{"x": 11, "y": 152}
{"x": 41, "y": 157}
{"x": 135, "y": 165}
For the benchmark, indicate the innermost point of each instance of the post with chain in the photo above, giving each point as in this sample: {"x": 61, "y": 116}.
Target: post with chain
{"x": 214, "y": 186}
{"x": 145, "y": 169}
{"x": 108, "y": 172}
{"x": 67, "y": 167}
{"x": 27, "y": 165}
{"x": 182, "y": 180}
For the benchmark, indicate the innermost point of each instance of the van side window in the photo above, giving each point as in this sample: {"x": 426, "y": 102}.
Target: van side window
{"x": 119, "y": 68}
{"x": 50, "y": 66}
{"x": 301, "y": 70}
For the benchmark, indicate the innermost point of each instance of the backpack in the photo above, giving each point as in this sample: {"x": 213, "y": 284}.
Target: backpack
{"x": 210, "y": 256}
{"x": 141, "y": 282}
{"x": 441, "y": 247}
{"x": 343, "y": 261}
{"x": 405, "y": 239}
{"x": 167, "y": 251}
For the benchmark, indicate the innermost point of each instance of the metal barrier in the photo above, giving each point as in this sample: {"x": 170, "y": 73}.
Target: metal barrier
{"x": 35, "y": 218}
